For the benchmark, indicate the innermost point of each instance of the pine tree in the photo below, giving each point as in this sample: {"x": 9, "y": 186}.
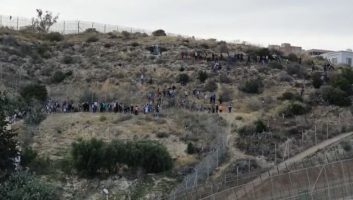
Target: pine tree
{"x": 8, "y": 150}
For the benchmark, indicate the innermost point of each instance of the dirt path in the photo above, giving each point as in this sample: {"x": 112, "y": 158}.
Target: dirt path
{"x": 233, "y": 152}
{"x": 283, "y": 164}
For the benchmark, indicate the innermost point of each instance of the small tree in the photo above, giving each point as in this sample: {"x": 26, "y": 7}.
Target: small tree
{"x": 292, "y": 57}
{"x": 183, "y": 79}
{"x": 260, "y": 126}
{"x": 23, "y": 185}
{"x": 335, "y": 96}
{"x": 252, "y": 86}
{"x": 317, "y": 81}
{"x": 159, "y": 32}
{"x": 8, "y": 150}
{"x": 44, "y": 20}
{"x": 202, "y": 76}
{"x": 34, "y": 91}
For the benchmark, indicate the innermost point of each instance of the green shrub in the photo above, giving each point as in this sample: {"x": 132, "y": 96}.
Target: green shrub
{"x": 162, "y": 135}
{"x": 290, "y": 96}
{"x": 8, "y": 141}
{"x": 295, "y": 70}
{"x": 34, "y": 91}
{"x": 275, "y": 65}
{"x": 22, "y": 185}
{"x": 35, "y": 115}
{"x": 339, "y": 81}
{"x": 211, "y": 86}
{"x": 335, "y": 96}
{"x": 246, "y": 130}
{"x": 252, "y": 86}
{"x": 292, "y": 57}
{"x": 317, "y": 81}
{"x": 54, "y": 37}
{"x": 43, "y": 50}
{"x": 190, "y": 148}
{"x": 68, "y": 60}
{"x": 294, "y": 108}
{"x": 95, "y": 156}
{"x": 260, "y": 126}
{"x": 58, "y": 77}
{"x": 91, "y": 30}
{"x": 183, "y": 79}
{"x": 159, "y": 33}
{"x": 223, "y": 78}
{"x": 125, "y": 34}
{"x": 87, "y": 156}
{"x": 27, "y": 156}
{"x": 93, "y": 38}
{"x": 202, "y": 76}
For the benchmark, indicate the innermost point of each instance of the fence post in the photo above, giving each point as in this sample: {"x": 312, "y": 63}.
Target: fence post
{"x": 78, "y": 27}
{"x": 17, "y": 23}
{"x": 0, "y": 20}
{"x": 64, "y": 27}
{"x": 105, "y": 28}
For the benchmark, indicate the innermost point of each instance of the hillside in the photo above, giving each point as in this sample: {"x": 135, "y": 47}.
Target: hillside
{"x": 280, "y": 105}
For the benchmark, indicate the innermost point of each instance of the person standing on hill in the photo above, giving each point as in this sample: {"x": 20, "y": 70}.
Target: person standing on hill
{"x": 230, "y": 107}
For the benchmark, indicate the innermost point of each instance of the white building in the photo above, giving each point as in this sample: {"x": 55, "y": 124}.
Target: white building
{"x": 340, "y": 57}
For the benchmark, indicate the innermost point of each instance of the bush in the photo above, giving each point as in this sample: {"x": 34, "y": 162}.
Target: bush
{"x": 159, "y": 33}
{"x": 292, "y": 57}
{"x": 27, "y": 156}
{"x": 290, "y": 96}
{"x": 34, "y": 91}
{"x": 125, "y": 34}
{"x": 68, "y": 60}
{"x": 162, "y": 135}
{"x": 260, "y": 126}
{"x": 294, "y": 108}
{"x": 95, "y": 156}
{"x": 317, "y": 81}
{"x": 8, "y": 142}
{"x": 339, "y": 81}
{"x": 211, "y": 86}
{"x": 190, "y": 148}
{"x": 91, "y": 30}
{"x": 35, "y": 115}
{"x": 22, "y": 185}
{"x": 93, "y": 38}
{"x": 335, "y": 96}
{"x": 183, "y": 79}
{"x": 54, "y": 37}
{"x": 202, "y": 76}
{"x": 87, "y": 156}
{"x": 252, "y": 86}
{"x": 295, "y": 70}
{"x": 58, "y": 77}
{"x": 223, "y": 78}
{"x": 275, "y": 65}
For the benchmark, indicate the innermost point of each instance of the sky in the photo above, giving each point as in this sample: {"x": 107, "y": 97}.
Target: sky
{"x": 311, "y": 24}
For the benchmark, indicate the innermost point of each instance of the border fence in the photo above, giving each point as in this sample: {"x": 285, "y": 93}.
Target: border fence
{"x": 66, "y": 27}
{"x": 72, "y": 26}
{"x": 321, "y": 131}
